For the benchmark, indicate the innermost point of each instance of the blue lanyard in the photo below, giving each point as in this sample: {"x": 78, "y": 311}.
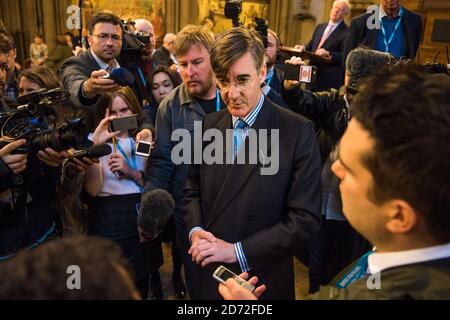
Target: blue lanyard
{"x": 387, "y": 43}
{"x": 142, "y": 77}
{"x": 133, "y": 156}
{"x": 217, "y": 100}
{"x": 358, "y": 272}
{"x": 270, "y": 76}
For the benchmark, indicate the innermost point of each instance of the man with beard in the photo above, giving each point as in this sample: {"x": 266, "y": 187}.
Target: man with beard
{"x": 196, "y": 97}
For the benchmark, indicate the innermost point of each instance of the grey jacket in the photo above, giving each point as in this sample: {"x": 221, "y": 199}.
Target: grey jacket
{"x": 179, "y": 110}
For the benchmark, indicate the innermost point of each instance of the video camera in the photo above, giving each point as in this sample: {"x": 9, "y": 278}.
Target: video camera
{"x": 233, "y": 9}
{"x": 133, "y": 45}
{"x": 33, "y": 117}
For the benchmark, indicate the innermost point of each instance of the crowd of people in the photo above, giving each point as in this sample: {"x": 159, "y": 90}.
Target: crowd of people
{"x": 344, "y": 173}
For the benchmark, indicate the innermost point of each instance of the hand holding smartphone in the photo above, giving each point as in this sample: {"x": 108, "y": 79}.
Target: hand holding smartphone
{"x": 143, "y": 148}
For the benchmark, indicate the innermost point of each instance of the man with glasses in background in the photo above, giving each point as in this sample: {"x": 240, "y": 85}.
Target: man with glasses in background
{"x": 85, "y": 76}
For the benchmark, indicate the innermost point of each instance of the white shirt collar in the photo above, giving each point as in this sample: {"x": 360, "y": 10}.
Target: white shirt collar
{"x": 381, "y": 261}
{"x": 334, "y": 24}
{"x": 102, "y": 64}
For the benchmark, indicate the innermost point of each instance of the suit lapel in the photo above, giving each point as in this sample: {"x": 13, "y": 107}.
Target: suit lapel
{"x": 320, "y": 31}
{"x": 238, "y": 175}
{"x": 334, "y": 34}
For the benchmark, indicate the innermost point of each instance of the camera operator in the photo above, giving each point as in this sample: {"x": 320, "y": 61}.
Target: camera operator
{"x": 29, "y": 176}
{"x": 84, "y": 75}
{"x": 330, "y": 112}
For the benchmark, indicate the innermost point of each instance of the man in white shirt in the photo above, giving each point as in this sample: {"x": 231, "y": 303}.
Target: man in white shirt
{"x": 393, "y": 166}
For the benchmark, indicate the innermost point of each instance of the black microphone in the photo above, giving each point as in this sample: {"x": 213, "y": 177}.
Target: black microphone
{"x": 122, "y": 77}
{"x": 96, "y": 151}
{"x": 156, "y": 208}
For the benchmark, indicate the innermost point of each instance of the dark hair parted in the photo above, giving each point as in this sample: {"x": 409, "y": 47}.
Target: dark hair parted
{"x": 104, "y": 17}
{"x": 231, "y": 45}
{"x": 407, "y": 113}
{"x": 191, "y": 36}
{"x": 42, "y": 273}
{"x": 161, "y": 69}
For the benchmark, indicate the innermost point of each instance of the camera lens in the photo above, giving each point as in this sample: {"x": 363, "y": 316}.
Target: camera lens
{"x": 71, "y": 135}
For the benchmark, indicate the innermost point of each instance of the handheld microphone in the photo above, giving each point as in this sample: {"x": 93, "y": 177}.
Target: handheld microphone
{"x": 122, "y": 77}
{"x": 96, "y": 151}
{"x": 155, "y": 210}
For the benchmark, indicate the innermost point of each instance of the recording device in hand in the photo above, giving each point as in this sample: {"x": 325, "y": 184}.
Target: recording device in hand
{"x": 222, "y": 274}
{"x": 123, "y": 123}
{"x": 121, "y": 76}
{"x": 155, "y": 210}
{"x": 301, "y": 73}
{"x": 143, "y": 148}
{"x": 96, "y": 151}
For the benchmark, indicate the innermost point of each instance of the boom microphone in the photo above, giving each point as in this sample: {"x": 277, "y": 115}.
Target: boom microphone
{"x": 156, "y": 208}
{"x": 96, "y": 151}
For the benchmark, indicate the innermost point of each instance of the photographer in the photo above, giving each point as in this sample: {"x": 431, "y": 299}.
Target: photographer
{"x": 330, "y": 112}
{"x": 29, "y": 174}
{"x": 84, "y": 75}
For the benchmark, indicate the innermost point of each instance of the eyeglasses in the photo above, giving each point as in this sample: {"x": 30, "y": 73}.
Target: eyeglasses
{"x": 240, "y": 84}
{"x": 105, "y": 36}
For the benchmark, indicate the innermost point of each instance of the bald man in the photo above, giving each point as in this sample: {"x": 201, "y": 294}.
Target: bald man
{"x": 165, "y": 54}
{"x": 146, "y": 27}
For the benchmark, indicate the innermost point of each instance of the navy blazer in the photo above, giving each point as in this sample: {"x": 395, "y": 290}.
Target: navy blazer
{"x": 360, "y": 35}
{"x": 329, "y": 75}
{"x": 269, "y": 214}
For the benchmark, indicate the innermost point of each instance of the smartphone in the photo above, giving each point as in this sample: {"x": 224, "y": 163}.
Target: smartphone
{"x": 222, "y": 274}
{"x": 300, "y": 73}
{"x": 123, "y": 123}
{"x": 143, "y": 148}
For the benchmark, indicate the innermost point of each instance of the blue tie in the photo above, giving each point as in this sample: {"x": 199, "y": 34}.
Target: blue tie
{"x": 238, "y": 135}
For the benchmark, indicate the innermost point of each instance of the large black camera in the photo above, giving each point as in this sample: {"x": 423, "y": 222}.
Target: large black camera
{"x": 233, "y": 9}
{"x": 133, "y": 46}
{"x": 34, "y": 117}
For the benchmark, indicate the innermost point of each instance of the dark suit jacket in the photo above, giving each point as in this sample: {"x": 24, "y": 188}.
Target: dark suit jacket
{"x": 359, "y": 34}
{"x": 161, "y": 56}
{"x": 73, "y": 73}
{"x": 329, "y": 75}
{"x": 269, "y": 215}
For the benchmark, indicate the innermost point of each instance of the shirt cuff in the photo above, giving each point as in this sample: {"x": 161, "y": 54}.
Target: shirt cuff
{"x": 241, "y": 257}
{"x": 192, "y": 231}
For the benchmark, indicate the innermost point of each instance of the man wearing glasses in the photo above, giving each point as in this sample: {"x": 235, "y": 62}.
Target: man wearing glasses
{"x": 85, "y": 76}
{"x": 238, "y": 216}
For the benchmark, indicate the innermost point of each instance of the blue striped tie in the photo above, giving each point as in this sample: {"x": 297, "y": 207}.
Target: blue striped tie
{"x": 238, "y": 135}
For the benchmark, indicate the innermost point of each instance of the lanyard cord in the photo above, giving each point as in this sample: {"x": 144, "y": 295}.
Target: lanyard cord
{"x": 387, "y": 43}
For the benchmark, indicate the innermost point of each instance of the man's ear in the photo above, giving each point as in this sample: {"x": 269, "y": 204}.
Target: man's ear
{"x": 89, "y": 39}
{"x": 263, "y": 74}
{"x": 401, "y": 217}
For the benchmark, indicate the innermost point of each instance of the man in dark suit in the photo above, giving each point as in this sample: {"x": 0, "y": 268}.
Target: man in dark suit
{"x": 84, "y": 75}
{"x": 249, "y": 215}
{"x": 388, "y": 28}
{"x": 394, "y": 189}
{"x": 328, "y": 41}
